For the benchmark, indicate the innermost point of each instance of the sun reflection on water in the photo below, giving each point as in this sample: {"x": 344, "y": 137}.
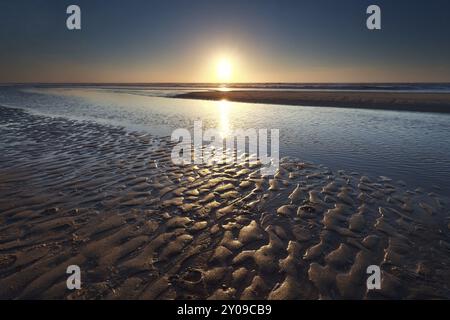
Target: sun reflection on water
{"x": 224, "y": 108}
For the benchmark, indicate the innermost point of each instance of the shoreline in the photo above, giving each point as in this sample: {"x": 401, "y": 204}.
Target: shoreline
{"x": 420, "y": 102}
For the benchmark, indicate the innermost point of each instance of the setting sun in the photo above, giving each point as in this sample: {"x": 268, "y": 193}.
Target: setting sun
{"x": 224, "y": 70}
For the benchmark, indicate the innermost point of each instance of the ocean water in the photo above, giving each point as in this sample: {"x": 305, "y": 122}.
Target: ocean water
{"x": 409, "y": 146}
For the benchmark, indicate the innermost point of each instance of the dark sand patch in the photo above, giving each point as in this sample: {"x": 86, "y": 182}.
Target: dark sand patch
{"x": 424, "y": 102}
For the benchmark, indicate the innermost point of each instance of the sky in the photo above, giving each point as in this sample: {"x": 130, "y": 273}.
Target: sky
{"x": 260, "y": 40}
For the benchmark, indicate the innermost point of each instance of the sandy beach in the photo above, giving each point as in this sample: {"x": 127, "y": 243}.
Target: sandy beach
{"x": 194, "y": 155}
{"x": 413, "y": 101}
{"x": 141, "y": 227}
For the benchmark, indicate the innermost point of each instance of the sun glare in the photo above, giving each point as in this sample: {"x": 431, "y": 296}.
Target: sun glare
{"x": 224, "y": 70}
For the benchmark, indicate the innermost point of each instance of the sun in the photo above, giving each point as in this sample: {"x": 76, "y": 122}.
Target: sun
{"x": 224, "y": 70}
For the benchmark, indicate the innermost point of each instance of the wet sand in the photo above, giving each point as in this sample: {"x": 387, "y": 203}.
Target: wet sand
{"x": 141, "y": 227}
{"x": 425, "y": 102}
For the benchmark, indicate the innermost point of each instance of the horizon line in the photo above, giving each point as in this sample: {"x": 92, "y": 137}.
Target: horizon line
{"x": 218, "y": 83}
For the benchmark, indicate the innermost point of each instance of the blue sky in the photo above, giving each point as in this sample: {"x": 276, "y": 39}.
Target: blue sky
{"x": 265, "y": 41}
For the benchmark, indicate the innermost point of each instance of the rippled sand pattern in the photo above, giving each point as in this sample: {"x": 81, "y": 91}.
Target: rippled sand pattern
{"x": 140, "y": 227}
